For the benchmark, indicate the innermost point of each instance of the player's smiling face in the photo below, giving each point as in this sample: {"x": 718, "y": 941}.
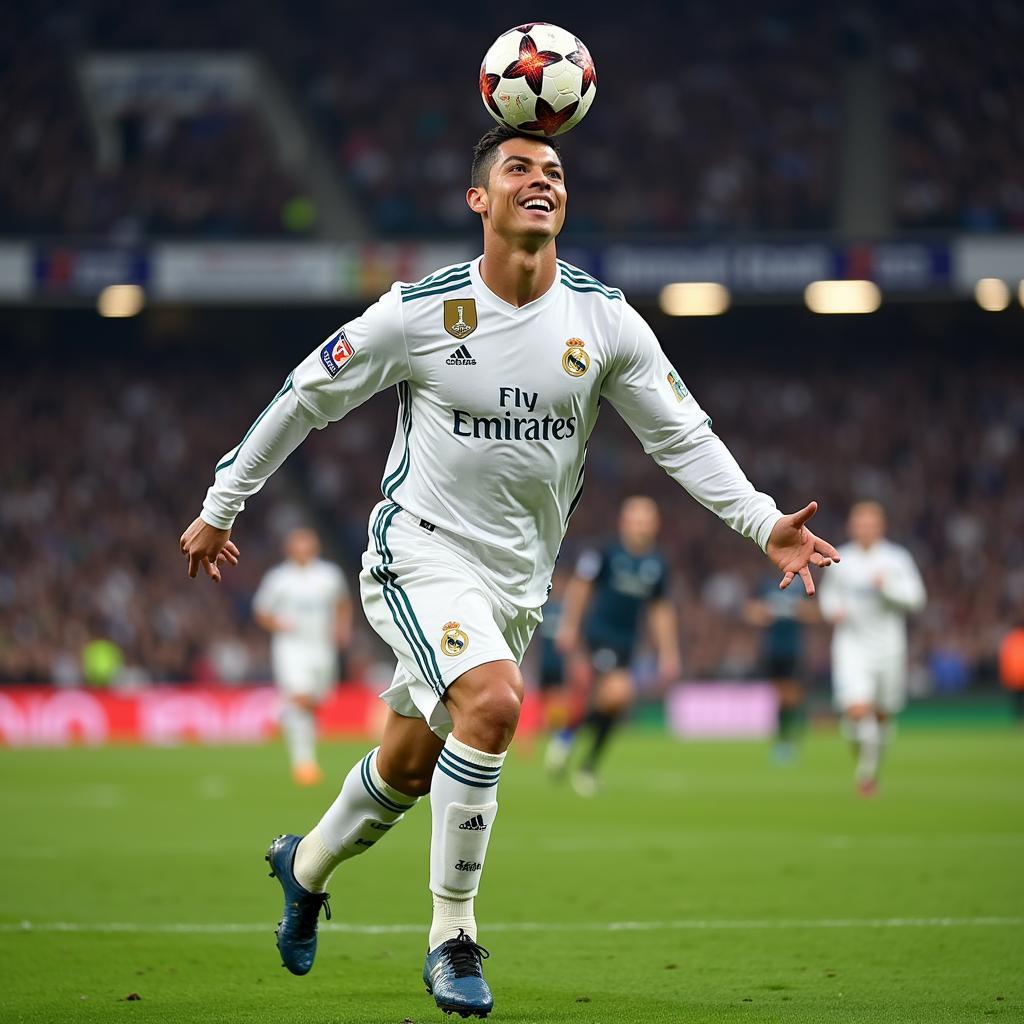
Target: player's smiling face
{"x": 525, "y": 196}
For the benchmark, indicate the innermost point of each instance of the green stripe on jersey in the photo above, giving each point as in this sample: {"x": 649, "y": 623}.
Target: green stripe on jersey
{"x": 399, "y": 603}
{"x": 437, "y": 280}
{"x": 286, "y": 387}
{"x": 583, "y": 279}
{"x": 399, "y": 474}
{"x": 600, "y": 289}
{"x": 449, "y": 286}
{"x": 432, "y": 279}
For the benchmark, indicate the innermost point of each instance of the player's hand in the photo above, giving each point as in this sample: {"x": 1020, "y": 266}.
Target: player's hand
{"x": 670, "y": 668}
{"x": 793, "y": 548}
{"x": 565, "y": 641}
{"x": 206, "y": 546}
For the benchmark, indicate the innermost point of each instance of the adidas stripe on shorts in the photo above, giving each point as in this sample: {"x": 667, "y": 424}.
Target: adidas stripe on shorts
{"x": 437, "y": 610}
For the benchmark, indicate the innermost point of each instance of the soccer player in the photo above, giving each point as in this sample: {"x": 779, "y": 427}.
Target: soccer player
{"x": 605, "y": 602}
{"x": 304, "y": 604}
{"x": 500, "y": 364}
{"x": 781, "y": 615}
{"x": 868, "y": 599}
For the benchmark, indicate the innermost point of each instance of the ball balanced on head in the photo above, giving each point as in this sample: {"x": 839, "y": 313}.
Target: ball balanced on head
{"x": 538, "y": 78}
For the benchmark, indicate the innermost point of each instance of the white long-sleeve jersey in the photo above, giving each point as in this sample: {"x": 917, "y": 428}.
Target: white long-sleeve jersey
{"x": 868, "y": 596}
{"x": 305, "y": 599}
{"x": 496, "y": 403}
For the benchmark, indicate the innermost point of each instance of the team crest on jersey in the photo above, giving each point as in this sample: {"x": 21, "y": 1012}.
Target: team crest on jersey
{"x": 336, "y": 353}
{"x": 677, "y": 386}
{"x": 460, "y": 317}
{"x": 453, "y": 640}
{"x": 575, "y": 360}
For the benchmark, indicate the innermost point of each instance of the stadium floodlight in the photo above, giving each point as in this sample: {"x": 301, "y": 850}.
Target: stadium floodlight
{"x": 842, "y": 296}
{"x": 694, "y": 298}
{"x": 121, "y": 300}
{"x": 992, "y": 294}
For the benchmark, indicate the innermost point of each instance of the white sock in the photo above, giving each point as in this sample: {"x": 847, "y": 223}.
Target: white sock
{"x": 365, "y": 811}
{"x": 868, "y": 747}
{"x": 463, "y": 805}
{"x": 298, "y": 725}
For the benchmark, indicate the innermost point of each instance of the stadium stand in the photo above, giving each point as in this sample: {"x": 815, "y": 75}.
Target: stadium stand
{"x": 94, "y": 522}
{"x": 956, "y": 96}
{"x": 734, "y": 150}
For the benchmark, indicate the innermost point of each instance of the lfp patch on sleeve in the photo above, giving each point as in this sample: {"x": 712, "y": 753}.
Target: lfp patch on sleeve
{"x": 678, "y": 387}
{"x": 336, "y": 353}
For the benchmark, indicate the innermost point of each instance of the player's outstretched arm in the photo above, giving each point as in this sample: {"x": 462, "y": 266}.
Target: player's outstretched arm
{"x": 367, "y": 355}
{"x": 793, "y": 548}
{"x": 206, "y": 546}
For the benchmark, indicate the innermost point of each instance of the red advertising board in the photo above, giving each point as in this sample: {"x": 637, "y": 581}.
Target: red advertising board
{"x": 40, "y": 716}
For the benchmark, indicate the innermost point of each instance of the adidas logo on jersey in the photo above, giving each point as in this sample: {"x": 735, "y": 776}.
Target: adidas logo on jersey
{"x": 475, "y": 824}
{"x": 461, "y": 357}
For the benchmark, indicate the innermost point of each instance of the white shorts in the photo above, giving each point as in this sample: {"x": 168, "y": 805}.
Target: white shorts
{"x": 306, "y": 674}
{"x": 437, "y": 610}
{"x": 863, "y": 677}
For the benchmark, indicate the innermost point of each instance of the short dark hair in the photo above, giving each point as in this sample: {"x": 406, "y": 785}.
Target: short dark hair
{"x": 486, "y": 150}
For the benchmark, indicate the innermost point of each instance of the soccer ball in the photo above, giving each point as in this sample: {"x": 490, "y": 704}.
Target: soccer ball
{"x": 538, "y": 79}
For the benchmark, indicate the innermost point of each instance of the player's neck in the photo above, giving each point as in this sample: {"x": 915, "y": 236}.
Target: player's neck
{"x": 517, "y": 275}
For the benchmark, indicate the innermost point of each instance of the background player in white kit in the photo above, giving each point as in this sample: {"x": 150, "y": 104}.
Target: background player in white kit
{"x": 496, "y": 403}
{"x": 867, "y": 599}
{"x": 304, "y": 604}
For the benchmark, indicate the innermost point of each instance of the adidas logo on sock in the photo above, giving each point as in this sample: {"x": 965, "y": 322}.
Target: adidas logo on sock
{"x": 475, "y": 824}
{"x": 461, "y": 357}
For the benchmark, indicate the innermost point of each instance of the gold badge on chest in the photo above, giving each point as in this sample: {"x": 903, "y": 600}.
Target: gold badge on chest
{"x": 575, "y": 360}
{"x": 460, "y": 317}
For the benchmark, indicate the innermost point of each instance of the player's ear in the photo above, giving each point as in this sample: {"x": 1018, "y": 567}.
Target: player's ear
{"x": 476, "y": 198}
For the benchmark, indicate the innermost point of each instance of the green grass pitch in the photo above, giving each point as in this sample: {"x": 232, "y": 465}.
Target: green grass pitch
{"x": 704, "y": 884}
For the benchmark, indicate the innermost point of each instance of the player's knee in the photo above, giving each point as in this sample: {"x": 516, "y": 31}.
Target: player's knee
{"x": 485, "y": 706}
{"x": 494, "y": 715}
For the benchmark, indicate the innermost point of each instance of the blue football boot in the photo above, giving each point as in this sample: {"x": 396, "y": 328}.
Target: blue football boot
{"x": 296, "y": 931}
{"x": 454, "y": 976}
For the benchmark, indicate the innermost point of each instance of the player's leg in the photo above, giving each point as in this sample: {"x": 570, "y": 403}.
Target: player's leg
{"x": 298, "y": 685}
{"x": 861, "y": 722}
{"x": 484, "y": 705}
{"x": 377, "y": 792}
{"x": 613, "y": 697}
{"x": 890, "y": 700}
{"x": 577, "y": 690}
{"x": 789, "y": 695}
{"x": 855, "y": 693}
{"x": 581, "y": 687}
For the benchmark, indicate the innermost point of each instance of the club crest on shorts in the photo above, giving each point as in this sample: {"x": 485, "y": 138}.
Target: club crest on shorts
{"x": 460, "y": 317}
{"x": 575, "y": 360}
{"x": 453, "y": 640}
{"x": 336, "y": 353}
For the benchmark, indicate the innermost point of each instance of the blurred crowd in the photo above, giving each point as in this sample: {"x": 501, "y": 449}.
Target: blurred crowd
{"x": 956, "y": 83}
{"x": 100, "y": 478}
{"x": 716, "y": 123}
{"x": 208, "y": 173}
{"x": 711, "y": 123}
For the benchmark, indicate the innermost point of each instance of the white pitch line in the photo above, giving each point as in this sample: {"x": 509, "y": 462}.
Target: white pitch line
{"x": 721, "y": 924}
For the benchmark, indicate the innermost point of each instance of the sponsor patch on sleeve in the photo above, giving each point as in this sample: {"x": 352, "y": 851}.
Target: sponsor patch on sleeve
{"x": 336, "y": 353}
{"x": 678, "y": 387}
